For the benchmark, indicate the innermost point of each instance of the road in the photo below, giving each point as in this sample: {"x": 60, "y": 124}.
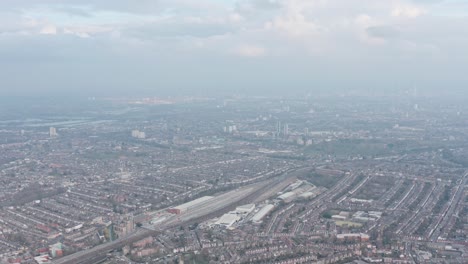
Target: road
{"x": 444, "y": 218}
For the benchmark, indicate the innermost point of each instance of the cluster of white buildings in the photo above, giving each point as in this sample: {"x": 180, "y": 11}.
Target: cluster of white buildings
{"x": 229, "y": 219}
{"x": 299, "y": 189}
{"x": 359, "y": 216}
{"x": 138, "y": 134}
{"x": 230, "y": 129}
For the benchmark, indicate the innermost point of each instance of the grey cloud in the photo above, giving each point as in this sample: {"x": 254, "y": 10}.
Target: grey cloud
{"x": 147, "y": 7}
{"x": 178, "y": 28}
{"x": 255, "y": 6}
{"x": 38, "y": 49}
{"x": 143, "y": 6}
{"x": 266, "y": 4}
{"x": 428, "y": 1}
{"x": 385, "y": 32}
{"x": 75, "y": 11}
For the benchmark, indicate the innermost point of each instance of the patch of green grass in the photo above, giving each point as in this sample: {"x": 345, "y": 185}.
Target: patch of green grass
{"x": 321, "y": 180}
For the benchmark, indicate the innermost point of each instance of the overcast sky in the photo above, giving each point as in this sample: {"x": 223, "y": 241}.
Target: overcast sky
{"x": 160, "y": 47}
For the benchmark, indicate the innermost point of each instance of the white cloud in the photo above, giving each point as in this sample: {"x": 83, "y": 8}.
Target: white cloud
{"x": 48, "y": 30}
{"x": 250, "y": 51}
{"x": 87, "y": 31}
{"x": 236, "y": 17}
{"x": 294, "y": 24}
{"x": 408, "y": 11}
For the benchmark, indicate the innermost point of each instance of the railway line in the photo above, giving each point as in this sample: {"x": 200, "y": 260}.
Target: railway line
{"x": 222, "y": 204}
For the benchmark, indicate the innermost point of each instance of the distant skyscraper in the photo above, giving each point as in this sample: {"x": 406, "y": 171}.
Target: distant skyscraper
{"x": 286, "y": 129}
{"x": 230, "y": 129}
{"x": 53, "y": 132}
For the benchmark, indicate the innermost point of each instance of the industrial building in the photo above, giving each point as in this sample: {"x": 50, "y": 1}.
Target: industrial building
{"x": 299, "y": 189}
{"x": 339, "y": 217}
{"x": 361, "y": 216}
{"x": 295, "y": 185}
{"x": 228, "y": 220}
{"x": 245, "y": 209}
{"x": 287, "y": 197}
{"x": 307, "y": 195}
{"x": 188, "y": 206}
{"x": 257, "y": 218}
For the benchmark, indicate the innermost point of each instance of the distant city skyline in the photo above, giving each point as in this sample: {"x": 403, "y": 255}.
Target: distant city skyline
{"x": 203, "y": 47}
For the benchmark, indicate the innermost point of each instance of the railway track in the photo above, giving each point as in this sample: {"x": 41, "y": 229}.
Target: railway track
{"x": 96, "y": 254}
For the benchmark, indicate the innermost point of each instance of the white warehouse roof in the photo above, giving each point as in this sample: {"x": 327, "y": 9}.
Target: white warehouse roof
{"x": 247, "y": 208}
{"x": 287, "y": 195}
{"x": 262, "y": 213}
{"x": 228, "y": 220}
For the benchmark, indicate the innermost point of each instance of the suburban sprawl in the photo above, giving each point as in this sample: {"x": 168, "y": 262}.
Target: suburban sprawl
{"x": 234, "y": 180}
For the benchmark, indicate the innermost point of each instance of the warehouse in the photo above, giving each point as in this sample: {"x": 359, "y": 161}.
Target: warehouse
{"x": 228, "y": 220}
{"x": 287, "y": 197}
{"x": 245, "y": 209}
{"x": 257, "y": 218}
